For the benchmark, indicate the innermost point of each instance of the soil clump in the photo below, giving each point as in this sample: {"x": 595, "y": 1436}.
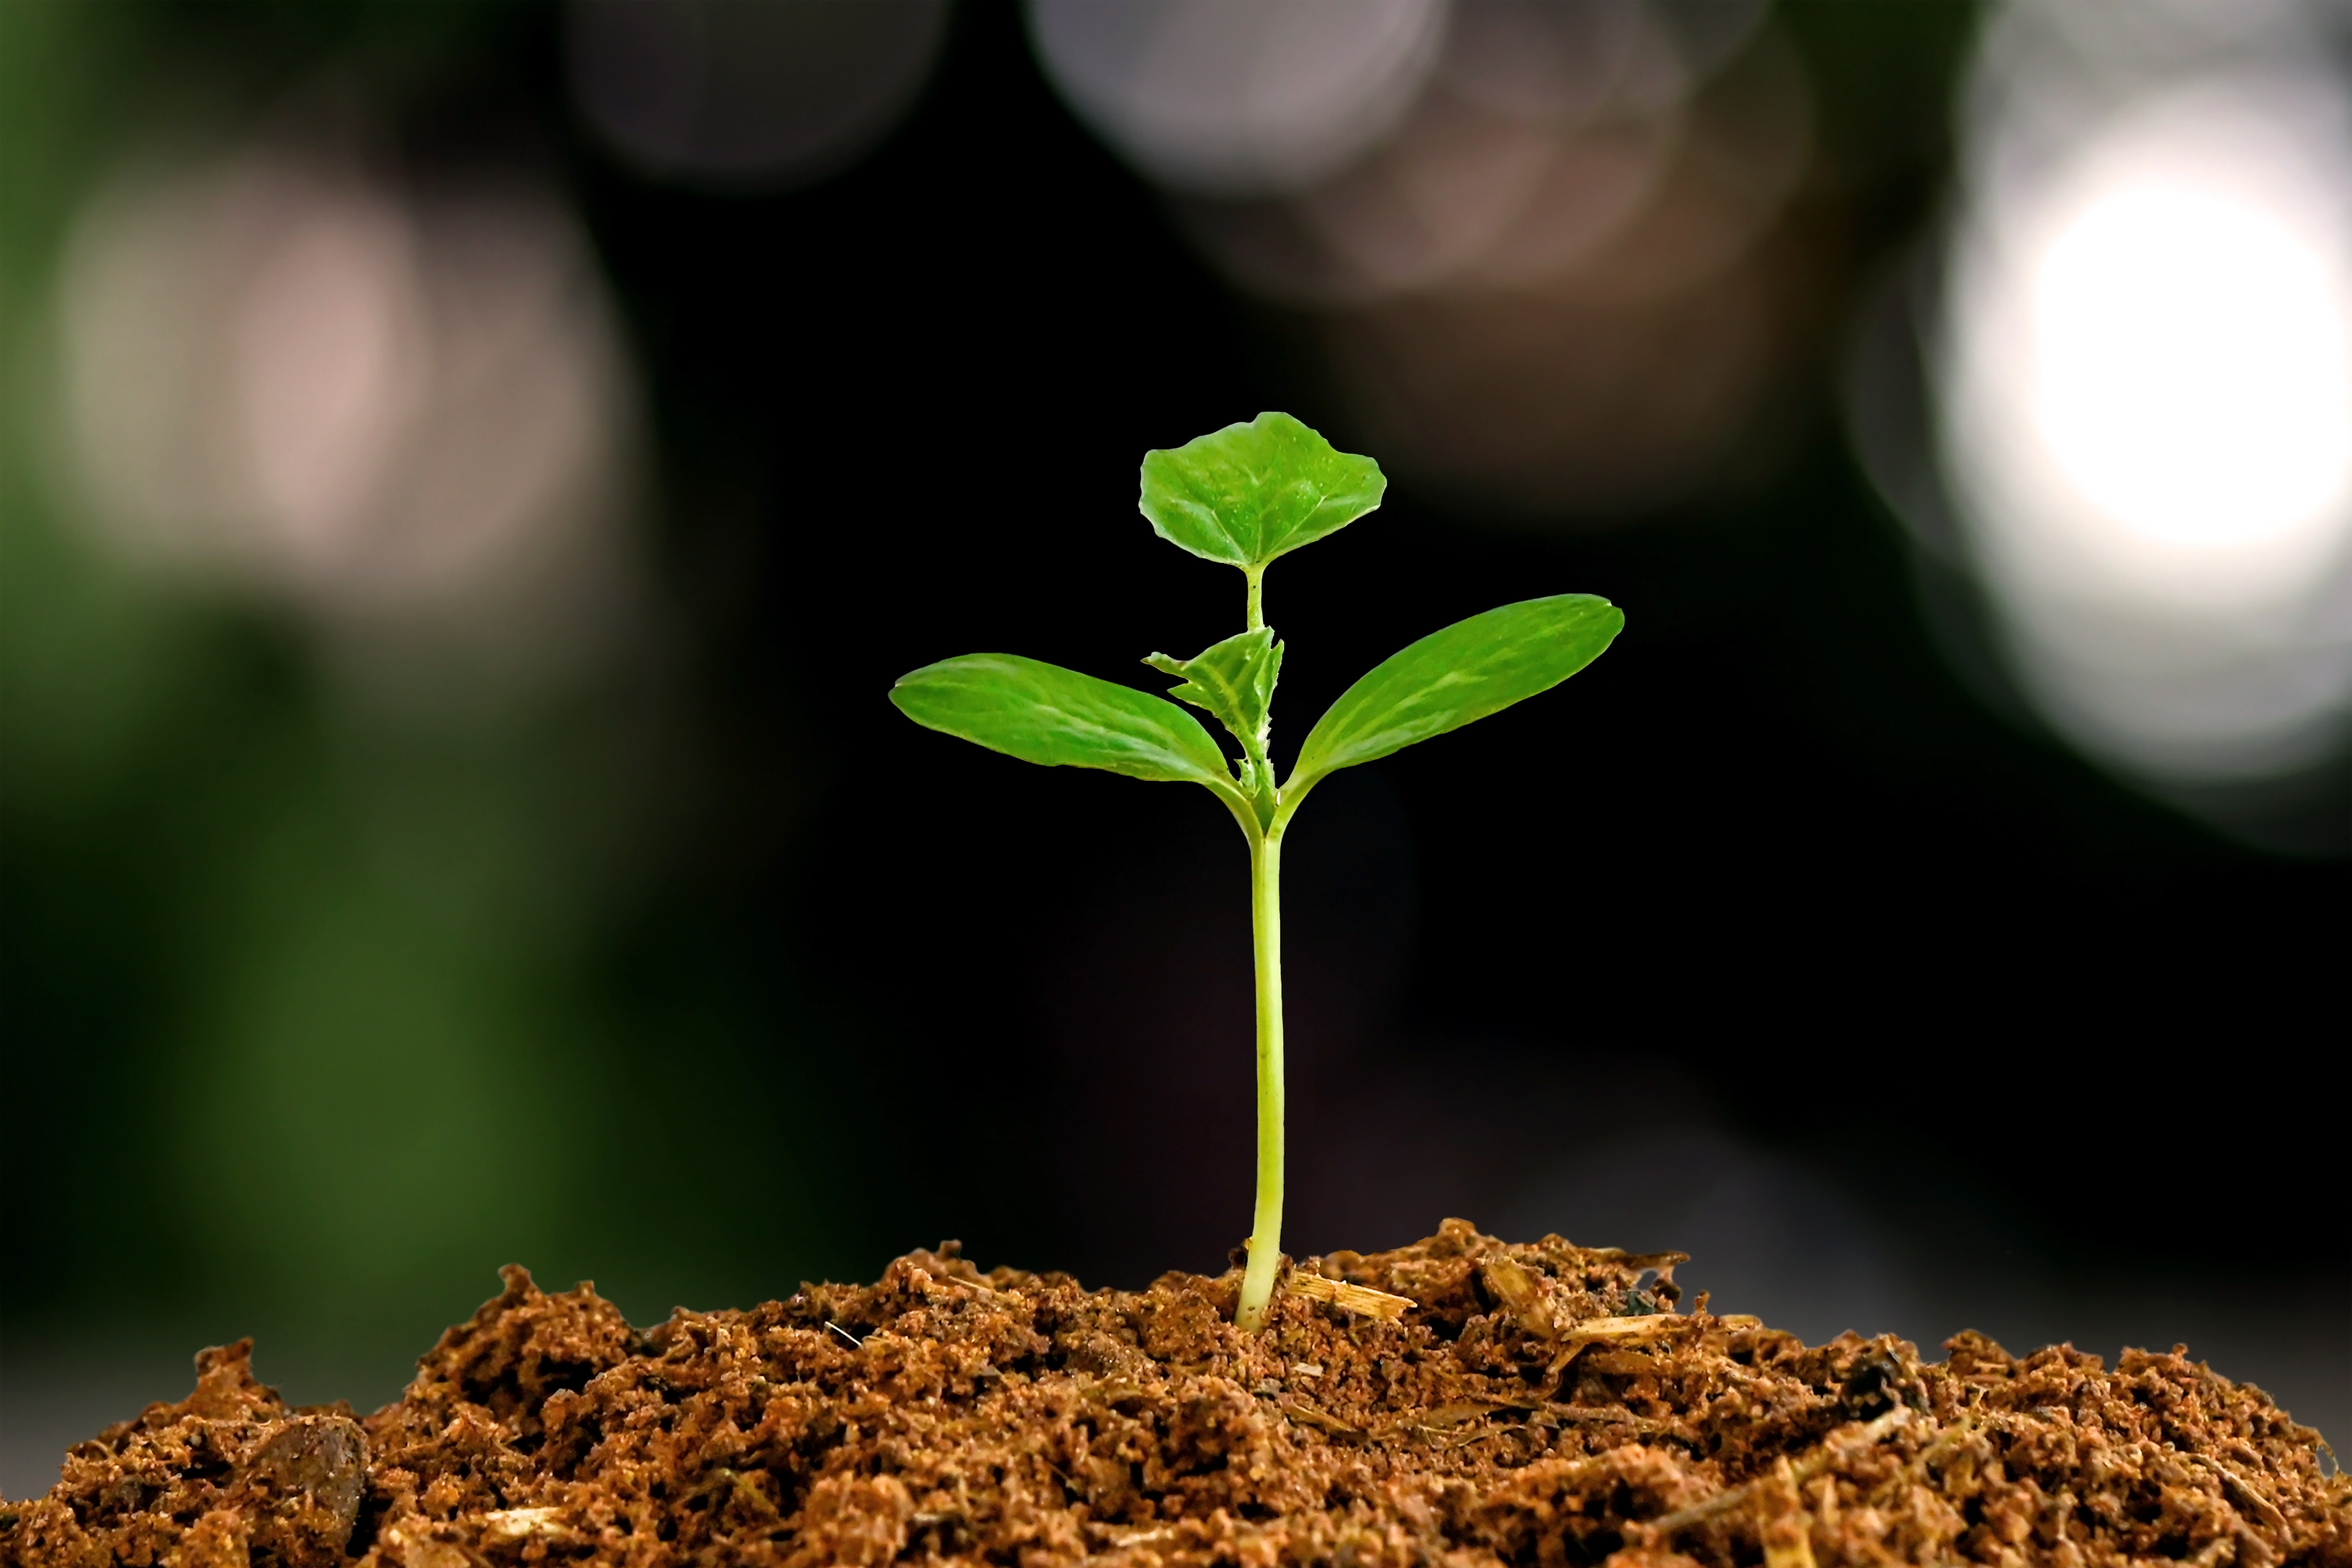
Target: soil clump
{"x": 1461, "y": 1401}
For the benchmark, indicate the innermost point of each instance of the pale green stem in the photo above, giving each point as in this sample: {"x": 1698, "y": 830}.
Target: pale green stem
{"x": 1266, "y": 925}
{"x": 1257, "y": 575}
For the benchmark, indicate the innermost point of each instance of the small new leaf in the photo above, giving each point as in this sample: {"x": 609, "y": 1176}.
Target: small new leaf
{"x": 1248, "y": 493}
{"x": 1043, "y": 713}
{"x": 1451, "y": 678}
{"x": 1234, "y": 679}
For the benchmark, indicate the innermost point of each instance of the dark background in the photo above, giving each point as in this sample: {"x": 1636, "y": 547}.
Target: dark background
{"x": 1764, "y": 897}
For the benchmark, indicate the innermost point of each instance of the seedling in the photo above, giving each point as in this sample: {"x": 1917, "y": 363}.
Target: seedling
{"x": 1244, "y": 495}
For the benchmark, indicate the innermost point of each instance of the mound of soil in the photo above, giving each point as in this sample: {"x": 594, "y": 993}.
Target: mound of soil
{"x": 1459, "y": 1401}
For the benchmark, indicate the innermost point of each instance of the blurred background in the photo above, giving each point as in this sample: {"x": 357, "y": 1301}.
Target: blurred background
{"x": 470, "y": 472}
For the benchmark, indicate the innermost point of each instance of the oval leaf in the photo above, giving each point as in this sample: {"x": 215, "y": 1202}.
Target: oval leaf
{"x": 1248, "y": 493}
{"x": 1450, "y": 677}
{"x": 1043, "y": 713}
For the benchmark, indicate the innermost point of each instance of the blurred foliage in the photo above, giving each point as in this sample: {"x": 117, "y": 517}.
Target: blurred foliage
{"x": 318, "y": 1013}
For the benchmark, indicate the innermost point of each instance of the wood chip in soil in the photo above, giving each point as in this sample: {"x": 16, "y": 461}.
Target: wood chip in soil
{"x": 1538, "y": 1403}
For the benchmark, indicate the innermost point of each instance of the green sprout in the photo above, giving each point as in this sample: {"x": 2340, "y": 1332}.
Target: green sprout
{"x": 1244, "y": 495}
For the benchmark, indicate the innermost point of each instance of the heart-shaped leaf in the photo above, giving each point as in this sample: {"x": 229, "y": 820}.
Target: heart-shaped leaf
{"x": 1234, "y": 679}
{"x": 1450, "y": 677}
{"x": 1248, "y": 493}
{"x": 1043, "y": 713}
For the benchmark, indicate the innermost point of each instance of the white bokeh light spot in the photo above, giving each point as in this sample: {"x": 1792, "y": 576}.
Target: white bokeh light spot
{"x": 2191, "y": 376}
{"x": 402, "y": 411}
{"x": 2143, "y": 400}
{"x": 1239, "y": 99}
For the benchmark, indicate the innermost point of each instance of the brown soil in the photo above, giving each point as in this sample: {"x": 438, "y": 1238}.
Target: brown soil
{"x": 1523, "y": 1405}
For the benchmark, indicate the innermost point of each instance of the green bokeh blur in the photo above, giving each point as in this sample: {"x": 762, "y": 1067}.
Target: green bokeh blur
{"x": 320, "y": 1010}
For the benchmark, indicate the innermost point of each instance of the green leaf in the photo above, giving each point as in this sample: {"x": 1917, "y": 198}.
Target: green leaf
{"x": 1043, "y": 713}
{"x": 1450, "y": 677}
{"x": 1234, "y": 681}
{"x": 1250, "y": 492}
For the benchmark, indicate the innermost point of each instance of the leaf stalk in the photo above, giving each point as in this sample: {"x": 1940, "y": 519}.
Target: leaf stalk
{"x": 1265, "y": 931}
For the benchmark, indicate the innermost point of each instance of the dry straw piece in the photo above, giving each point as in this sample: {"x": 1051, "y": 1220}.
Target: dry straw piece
{"x": 1349, "y": 1298}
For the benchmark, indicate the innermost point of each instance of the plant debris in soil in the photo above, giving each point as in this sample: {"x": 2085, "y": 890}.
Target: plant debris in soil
{"x": 1460, "y": 1401}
